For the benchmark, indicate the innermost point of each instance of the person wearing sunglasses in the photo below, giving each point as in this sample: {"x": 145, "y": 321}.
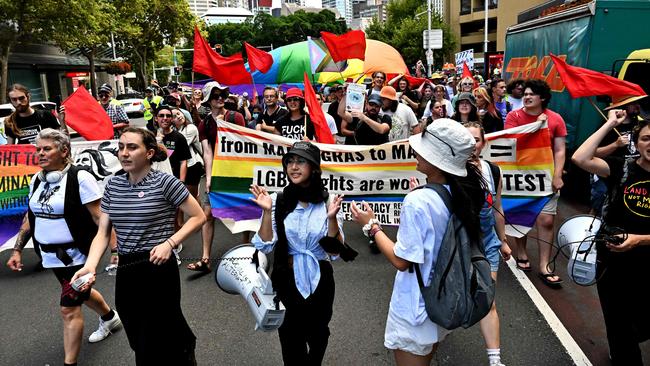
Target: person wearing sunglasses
{"x": 272, "y": 111}
{"x": 296, "y": 124}
{"x": 465, "y": 85}
{"x": 62, "y": 219}
{"x": 113, "y": 108}
{"x": 303, "y": 226}
{"x": 442, "y": 153}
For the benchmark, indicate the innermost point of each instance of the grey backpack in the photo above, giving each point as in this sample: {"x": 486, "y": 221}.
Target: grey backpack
{"x": 461, "y": 289}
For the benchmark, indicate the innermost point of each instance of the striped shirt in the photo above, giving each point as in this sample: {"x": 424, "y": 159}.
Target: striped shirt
{"x": 143, "y": 214}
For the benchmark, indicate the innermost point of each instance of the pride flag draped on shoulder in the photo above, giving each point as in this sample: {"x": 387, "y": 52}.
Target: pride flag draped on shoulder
{"x": 377, "y": 174}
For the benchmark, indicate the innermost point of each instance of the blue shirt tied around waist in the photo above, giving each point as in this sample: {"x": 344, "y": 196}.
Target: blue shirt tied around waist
{"x": 304, "y": 227}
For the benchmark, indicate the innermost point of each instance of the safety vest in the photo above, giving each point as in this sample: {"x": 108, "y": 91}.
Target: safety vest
{"x": 147, "y": 106}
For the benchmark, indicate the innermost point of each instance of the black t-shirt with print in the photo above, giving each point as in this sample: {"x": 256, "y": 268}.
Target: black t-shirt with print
{"x": 177, "y": 143}
{"x": 629, "y": 209}
{"x": 629, "y": 151}
{"x": 295, "y": 129}
{"x": 30, "y": 126}
{"x": 272, "y": 119}
{"x": 365, "y": 135}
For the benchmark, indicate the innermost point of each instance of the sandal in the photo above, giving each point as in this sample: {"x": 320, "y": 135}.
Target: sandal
{"x": 546, "y": 278}
{"x": 523, "y": 261}
{"x": 201, "y": 266}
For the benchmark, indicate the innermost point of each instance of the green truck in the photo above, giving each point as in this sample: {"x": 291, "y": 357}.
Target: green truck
{"x": 610, "y": 36}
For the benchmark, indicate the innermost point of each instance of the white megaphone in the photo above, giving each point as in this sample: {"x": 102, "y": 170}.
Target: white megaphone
{"x": 578, "y": 234}
{"x": 242, "y": 270}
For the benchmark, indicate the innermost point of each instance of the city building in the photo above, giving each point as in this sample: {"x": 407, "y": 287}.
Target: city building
{"x": 221, "y": 15}
{"x": 289, "y": 8}
{"x": 466, "y": 19}
{"x": 344, "y": 8}
{"x": 199, "y": 7}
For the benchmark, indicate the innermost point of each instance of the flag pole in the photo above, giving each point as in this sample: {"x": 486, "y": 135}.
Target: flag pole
{"x": 601, "y": 113}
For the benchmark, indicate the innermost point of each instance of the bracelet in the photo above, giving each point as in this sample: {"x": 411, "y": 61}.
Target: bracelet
{"x": 170, "y": 244}
{"x": 174, "y": 245}
{"x": 375, "y": 229}
{"x": 366, "y": 228}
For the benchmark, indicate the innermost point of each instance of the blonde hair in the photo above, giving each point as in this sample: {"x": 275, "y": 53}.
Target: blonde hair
{"x": 459, "y": 86}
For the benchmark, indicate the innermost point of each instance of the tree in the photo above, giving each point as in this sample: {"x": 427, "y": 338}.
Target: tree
{"x": 87, "y": 26}
{"x": 146, "y": 26}
{"x": 22, "y": 21}
{"x": 404, "y": 31}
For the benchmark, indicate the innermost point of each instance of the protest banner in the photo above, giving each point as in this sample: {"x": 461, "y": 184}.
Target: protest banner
{"x": 19, "y": 162}
{"x": 377, "y": 174}
{"x": 355, "y": 97}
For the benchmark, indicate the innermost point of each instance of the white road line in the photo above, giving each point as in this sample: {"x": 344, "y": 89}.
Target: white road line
{"x": 579, "y": 358}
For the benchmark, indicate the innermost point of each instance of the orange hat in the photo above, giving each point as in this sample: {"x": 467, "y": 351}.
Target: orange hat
{"x": 621, "y": 101}
{"x": 388, "y": 92}
{"x": 294, "y": 92}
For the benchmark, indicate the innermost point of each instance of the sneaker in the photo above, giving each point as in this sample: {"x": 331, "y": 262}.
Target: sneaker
{"x": 105, "y": 328}
{"x": 496, "y": 363}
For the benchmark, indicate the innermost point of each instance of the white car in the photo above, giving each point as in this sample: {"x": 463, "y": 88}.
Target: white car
{"x": 132, "y": 103}
{"x": 7, "y": 109}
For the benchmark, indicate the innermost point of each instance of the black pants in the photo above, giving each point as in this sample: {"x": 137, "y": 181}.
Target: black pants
{"x": 622, "y": 291}
{"x": 148, "y": 299}
{"x": 305, "y": 330}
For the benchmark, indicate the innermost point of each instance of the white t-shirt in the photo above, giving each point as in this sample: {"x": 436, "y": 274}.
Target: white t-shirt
{"x": 423, "y": 222}
{"x": 331, "y": 123}
{"x": 448, "y": 108}
{"x": 515, "y": 103}
{"x": 403, "y": 121}
{"x": 49, "y": 198}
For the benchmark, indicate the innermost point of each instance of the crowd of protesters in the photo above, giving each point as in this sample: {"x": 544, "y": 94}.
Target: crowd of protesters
{"x": 456, "y": 112}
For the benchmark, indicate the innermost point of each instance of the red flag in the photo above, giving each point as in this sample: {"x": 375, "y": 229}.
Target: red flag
{"x": 346, "y": 46}
{"x": 257, "y": 59}
{"x": 466, "y": 72}
{"x": 323, "y": 132}
{"x": 582, "y": 82}
{"x": 225, "y": 70}
{"x": 86, "y": 116}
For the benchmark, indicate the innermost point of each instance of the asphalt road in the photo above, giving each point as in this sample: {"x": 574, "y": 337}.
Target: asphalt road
{"x": 32, "y": 329}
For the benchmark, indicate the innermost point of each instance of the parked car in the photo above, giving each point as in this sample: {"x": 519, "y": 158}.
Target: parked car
{"x": 7, "y": 109}
{"x": 132, "y": 103}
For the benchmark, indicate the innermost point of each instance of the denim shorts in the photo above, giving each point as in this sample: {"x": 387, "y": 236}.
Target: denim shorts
{"x": 492, "y": 246}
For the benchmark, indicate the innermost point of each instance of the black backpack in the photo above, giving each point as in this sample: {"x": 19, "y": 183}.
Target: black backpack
{"x": 461, "y": 288}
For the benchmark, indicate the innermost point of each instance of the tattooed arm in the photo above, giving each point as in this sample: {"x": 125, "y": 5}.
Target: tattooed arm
{"x": 15, "y": 262}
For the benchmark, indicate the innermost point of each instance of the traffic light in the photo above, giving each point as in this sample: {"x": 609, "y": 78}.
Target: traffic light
{"x": 177, "y": 70}
{"x": 217, "y": 48}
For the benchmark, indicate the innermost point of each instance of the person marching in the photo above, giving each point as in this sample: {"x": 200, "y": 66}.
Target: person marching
{"x": 62, "y": 219}
{"x": 150, "y": 104}
{"x": 304, "y": 225}
{"x": 442, "y": 153}
{"x": 622, "y": 265}
{"x": 141, "y": 205}
{"x": 296, "y": 124}
{"x": 493, "y": 234}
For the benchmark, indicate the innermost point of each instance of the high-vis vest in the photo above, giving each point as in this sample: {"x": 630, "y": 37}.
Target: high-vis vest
{"x": 147, "y": 106}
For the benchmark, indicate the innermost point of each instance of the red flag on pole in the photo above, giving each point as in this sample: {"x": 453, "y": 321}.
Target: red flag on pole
{"x": 346, "y": 46}
{"x": 468, "y": 74}
{"x": 225, "y": 70}
{"x": 87, "y": 117}
{"x": 258, "y": 59}
{"x": 581, "y": 82}
{"x": 323, "y": 132}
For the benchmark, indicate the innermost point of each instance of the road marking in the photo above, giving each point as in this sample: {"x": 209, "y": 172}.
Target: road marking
{"x": 579, "y": 358}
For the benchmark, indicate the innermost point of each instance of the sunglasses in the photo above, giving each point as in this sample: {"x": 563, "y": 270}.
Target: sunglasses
{"x": 293, "y": 99}
{"x": 466, "y": 84}
{"x": 217, "y": 96}
{"x": 165, "y": 115}
{"x": 103, "y": 95}
{"x": 425, "y": 132}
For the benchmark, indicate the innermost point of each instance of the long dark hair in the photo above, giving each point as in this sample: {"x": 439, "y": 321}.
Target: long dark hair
{"x": 150, "y": 143}
{"x": 315, "y": 192}
{"x": 473, "y": 115}
{"x": 468, "y": 195}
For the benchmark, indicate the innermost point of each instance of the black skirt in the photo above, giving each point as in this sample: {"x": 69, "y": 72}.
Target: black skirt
{"x": 148, "y": 299}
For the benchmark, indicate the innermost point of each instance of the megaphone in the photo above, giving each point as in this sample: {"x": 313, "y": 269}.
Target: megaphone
{"x": 579, "y": 233}
{"x": 242, "y": 270}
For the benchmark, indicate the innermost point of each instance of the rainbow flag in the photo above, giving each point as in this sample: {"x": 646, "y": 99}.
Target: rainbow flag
{"x": 377, "y": 174}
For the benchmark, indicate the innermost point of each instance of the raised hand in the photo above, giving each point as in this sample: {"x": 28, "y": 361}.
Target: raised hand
{"x": 361, "y": 216}
{"x": 334, "y": 206}
{"x": 261, "y": 197}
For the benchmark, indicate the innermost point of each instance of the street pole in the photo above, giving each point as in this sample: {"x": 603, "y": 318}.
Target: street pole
{"x": 429, "y": 37}
{"x": 154, "y": 70}
{"x": 485, "y": 41}
{"x": 175, "y": 63}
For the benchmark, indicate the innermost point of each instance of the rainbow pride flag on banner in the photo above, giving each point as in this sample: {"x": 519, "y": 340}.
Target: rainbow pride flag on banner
{"x": 377, "y": 174}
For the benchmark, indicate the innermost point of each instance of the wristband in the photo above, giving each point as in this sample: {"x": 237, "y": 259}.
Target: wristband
{"x": 170, "y": 244}
{"x": 366, "y": 228}
{"x": 374, "y": 231}
{"x": 173, "y": 243}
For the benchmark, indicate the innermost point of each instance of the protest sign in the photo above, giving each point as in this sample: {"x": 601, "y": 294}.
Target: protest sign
{"x": 355, "y": 97}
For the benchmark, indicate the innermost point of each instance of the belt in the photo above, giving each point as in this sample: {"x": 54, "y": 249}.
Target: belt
{"x": 60, "y": 251}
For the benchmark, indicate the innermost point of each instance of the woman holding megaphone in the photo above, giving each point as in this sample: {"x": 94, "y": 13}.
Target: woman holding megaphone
{"x": 304, "y": 225}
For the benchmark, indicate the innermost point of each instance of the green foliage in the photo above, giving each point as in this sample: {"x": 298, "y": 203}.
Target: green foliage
{"x": 265, "y": 30}
{"x": 403, "y": 31}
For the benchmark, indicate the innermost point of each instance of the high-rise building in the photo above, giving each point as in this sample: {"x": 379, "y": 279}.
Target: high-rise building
{"x": 343, "y": 6}
{"x": 438, "y": 6}
{"x": 199, "y": 7}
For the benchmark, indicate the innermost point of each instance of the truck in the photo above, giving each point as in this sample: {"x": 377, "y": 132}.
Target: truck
{"x": 609, "y": 36}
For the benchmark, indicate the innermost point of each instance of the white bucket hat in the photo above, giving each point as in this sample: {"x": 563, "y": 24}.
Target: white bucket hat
{"x": 207, "y": 90}
{"x": 445, "y": 144}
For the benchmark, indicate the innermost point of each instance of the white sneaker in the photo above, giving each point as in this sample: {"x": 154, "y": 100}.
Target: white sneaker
{"x": 105, "y": 328}
{"x": 496, "y": 363}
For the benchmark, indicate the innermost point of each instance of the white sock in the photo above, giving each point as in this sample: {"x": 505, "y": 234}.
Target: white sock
{"x": 494, "y": 355}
